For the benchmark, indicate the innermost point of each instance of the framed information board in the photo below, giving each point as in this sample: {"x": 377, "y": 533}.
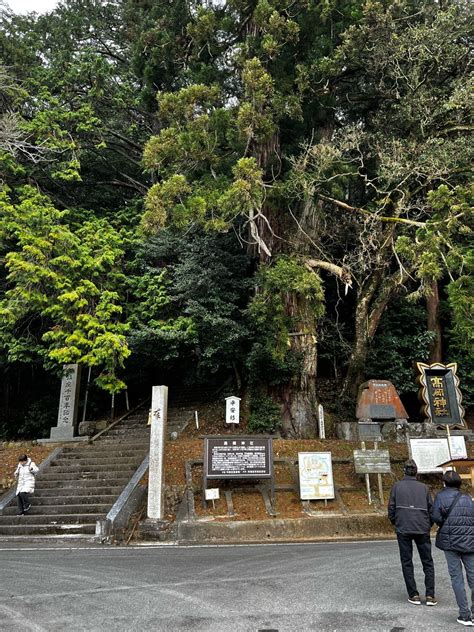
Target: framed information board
{"x": 428, "y": 454}
{"x": 238, "y": 457}
{"x": 316, "y": 480}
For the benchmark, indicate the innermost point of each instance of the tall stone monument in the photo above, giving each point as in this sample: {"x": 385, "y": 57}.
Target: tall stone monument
{"x": 156, "y": 471}
{"x": 66, "y": 428}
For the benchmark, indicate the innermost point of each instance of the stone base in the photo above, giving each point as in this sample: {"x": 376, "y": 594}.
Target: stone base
{"x": 391, "y": 430}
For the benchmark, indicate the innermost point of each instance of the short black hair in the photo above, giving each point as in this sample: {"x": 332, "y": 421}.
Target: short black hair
{"x": 22, "y": 457}
{"x": 452, "y": 479}
{"x": 410, "y": 468}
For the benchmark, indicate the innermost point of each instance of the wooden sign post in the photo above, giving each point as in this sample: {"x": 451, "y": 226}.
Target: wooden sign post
{"x": 372, "y": 462}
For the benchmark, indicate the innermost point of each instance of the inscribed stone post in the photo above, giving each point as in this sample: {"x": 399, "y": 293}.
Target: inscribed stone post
{"x": 159, "y": 417}
{"x": 68, "y": 403}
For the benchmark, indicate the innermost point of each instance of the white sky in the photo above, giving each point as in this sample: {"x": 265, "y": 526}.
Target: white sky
{"x": 26, "y": 6}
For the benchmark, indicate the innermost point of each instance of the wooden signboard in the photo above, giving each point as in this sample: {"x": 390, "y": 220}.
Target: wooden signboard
{"x": 372, "y": 461}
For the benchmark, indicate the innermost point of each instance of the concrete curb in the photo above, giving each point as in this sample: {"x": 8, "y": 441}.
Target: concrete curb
{"x": 309, "y": 529}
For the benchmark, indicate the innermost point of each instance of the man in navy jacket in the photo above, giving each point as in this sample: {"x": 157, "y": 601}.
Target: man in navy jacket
{"x": 454, "y": 513}
{"x": 409, "y": 509}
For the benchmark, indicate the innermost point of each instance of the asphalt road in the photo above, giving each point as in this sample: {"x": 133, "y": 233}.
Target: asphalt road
{"x": 324, "y": 587}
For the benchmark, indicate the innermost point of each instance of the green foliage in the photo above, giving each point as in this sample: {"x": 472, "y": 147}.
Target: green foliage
{"x": 265, "y": 367}
{"x": 189, "y": 294}
{"x": 265, "y": 415}
{"x": 61, "y": 303}
{"x": 287, "y": 277}
{"x": 402, "y": 340}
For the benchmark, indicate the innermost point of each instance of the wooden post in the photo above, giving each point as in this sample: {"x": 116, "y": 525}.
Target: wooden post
{"x": 367, "y": 479}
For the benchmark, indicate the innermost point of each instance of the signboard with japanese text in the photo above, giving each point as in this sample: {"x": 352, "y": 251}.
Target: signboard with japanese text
{"x": 238, "y": 457}
{"x": 440, "y": 393}
{"x": 378, "y": 399}
{"x": 316, "y": 479}
{"x": 232, "y": 410}
{"x": 428, "y": 454}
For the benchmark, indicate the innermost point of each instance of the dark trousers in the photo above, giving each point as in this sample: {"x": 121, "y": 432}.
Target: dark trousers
{"x": 23, "y": 501}
{"x": 423, "y": 544}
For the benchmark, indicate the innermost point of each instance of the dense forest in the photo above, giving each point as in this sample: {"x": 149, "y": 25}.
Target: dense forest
{"x": 270, "y": 194}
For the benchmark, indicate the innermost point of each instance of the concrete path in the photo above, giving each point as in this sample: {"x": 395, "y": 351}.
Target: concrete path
{"x": 289, "y": 588}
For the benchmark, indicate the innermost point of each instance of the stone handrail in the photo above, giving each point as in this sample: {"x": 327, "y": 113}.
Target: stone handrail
{"x": 125, "y": 505}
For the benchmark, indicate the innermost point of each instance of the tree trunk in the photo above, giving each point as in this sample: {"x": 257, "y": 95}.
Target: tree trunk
{"x": 299, "y": 396}
{"x": 358, "y": 357}
{"x": 369, "y": 311}
{"x": 433, "y": 323}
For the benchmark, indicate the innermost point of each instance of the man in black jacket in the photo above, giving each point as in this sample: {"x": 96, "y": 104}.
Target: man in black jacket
{"x": 454, "y": 513}
{"x": 409, "y": 509}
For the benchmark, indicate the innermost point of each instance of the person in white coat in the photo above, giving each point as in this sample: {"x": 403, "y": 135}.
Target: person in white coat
{"x": 25, "y": 473}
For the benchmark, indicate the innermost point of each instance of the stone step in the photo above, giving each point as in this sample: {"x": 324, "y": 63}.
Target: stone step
{"x": 106, "y": 459}
{"x": 96, "y": 451}
{"x": 66, "y": 499}
{"x": 88, "y": 487}
{"x": 84, "y": 530}
{"x": 119, "y": 442}
{"x": 79, "y": 476}
{"x": 29, "y": 519}
{"x": 83, "y": 488}
{"x": 128, "y": 434}
{"x": 90, "y": 466}
{"x": 65, "y": 509}
{"x": 94, "y": 464}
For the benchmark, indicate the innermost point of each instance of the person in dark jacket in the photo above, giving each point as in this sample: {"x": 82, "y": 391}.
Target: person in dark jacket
{"x": 409, "y": 509}
{"x": 454, "y": 513}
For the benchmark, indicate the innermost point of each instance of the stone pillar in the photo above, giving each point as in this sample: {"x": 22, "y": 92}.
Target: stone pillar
{"x": 68, "y": 403}
{"x": 156, "y": 473}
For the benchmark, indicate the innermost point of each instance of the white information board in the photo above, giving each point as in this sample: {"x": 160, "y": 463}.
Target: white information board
{"x": 429, "y": 453}
{"x": 212, "y": 493}
{"x": 316, "y": 480}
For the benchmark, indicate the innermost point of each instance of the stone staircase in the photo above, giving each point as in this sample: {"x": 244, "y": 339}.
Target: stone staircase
{"x": 80, "y": 486}
{"x": 83, "y": 482}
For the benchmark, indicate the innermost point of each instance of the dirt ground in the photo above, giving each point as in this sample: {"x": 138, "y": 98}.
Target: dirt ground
{"x": 9, "y": 453}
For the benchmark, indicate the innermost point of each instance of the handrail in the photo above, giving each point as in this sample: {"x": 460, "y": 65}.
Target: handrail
{"x": 7, "y": 498}
{"x": 117, "y": 421}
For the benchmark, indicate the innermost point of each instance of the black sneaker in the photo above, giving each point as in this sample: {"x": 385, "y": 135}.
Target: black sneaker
{"x": 431, "y": 601}
{"x": 20, "y": 513}
{"x": 26, "y": 509}
{"x": 465, "y": 621}
{"x": 415, "y": 599}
